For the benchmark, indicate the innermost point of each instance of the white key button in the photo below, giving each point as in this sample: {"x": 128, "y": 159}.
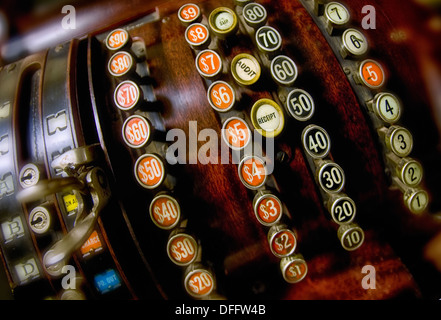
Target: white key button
{"x": 386, "y": 107}
{"x": 354, "y": 43}
{"x": 40, "y": 219}
{"x": 416, "y": 200}
{"x": 336, "y": 15}
{"x": 223, "y": 22}
{"x": 398, "y": 140}
{"x": 245, "y": 69}
{"x": 267, "y": 118}
{"x": 408, "y": 170}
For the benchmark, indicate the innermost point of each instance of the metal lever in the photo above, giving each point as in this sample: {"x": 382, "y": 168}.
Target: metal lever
{"x": 57, "y": 256}
{"x": 72, "y": 160}
{"x": 48, "y": 187}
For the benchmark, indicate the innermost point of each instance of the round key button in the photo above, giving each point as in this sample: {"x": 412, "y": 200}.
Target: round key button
{"x": 120, "y": 64}
{"x": 189, "y": 13}
{"x": 416, "y": 200}
{"x": 372, "y": 74}
{"x": 245, "y": 69}
{"x": 117, "y": 39}
{"x": 282, "y": 241}
{"x": 29, "y": 175}
{"x": 182, "y": 249}
{"x": 197, "y": 36}
{"x": 236, "y": 133}
{"x": 267, "y": 118}
{"x": 40, "y": 220}
{"x": 165, "y": 211}
{"x": 199, "y": 282}
{"x": 294, "y": 268}
{"x": 300, "y": 105}
{"x": 149, "y": 171}
{"x": 252, "y": 172}
{"x": 351, "y": 236}
{"x": 354, "y": 43}
{"x": 409, "y": 171}
{"x": 223, "y": 22}
{"x": 267, "y": 208}
{"x": 387, "y": 107}
{"x": 221, "y": 96}
{"x": 268, "y": 39}
{"x": 336, "y": 14}
{"x": 208, "y": 63}
{"x": 316, "y": 141}
{"x": 331, "y": 177}
{"x": 399, "y": 140}
{"x": 136, "y": 131}
{"x": 342, "y": 209}
{"x": 255, "y": 15}
{"x": 283, "y": 70}
{"x": 127, "y": 95}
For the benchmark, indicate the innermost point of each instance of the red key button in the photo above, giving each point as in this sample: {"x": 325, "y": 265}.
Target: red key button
{"x": 268, "y": 208}
{"x": 199, "y": 283}
{"x": 189, "y": 13}
{"x": 165, "y": 211}
{"x": 149, "y": 171}
{"x": 221, "y": 96}
{"x": 136, "y": 131}
{"x": 127, "y": 95}
{"x": 252, "y": 172}
{"x": 372, "y": 74}
{"x": 236, "y": 133}
{"x": 197, "y": 35}
{"x": 282, "y": 241}
{"x": 120, "y": 64}
{"x": 182, "y": 249}
{"x": 117, "y": 39}
{"x": 208, "y": 63}
{"x": 294, "y": 268}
